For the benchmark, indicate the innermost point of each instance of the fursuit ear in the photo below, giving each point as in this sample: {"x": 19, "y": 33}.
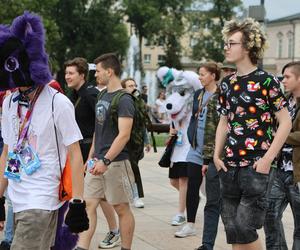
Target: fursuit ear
{"x": 30, "y": 30}
{"x": 4, "y": 33}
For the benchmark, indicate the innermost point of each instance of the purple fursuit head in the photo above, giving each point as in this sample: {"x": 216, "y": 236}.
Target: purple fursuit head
{"x": 23, "y": 59}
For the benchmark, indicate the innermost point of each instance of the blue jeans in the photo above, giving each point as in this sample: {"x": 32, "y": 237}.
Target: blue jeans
{"x": 9, "y": 226}
{"x": 283, "y": 192}
{"x": 212, "y": 206}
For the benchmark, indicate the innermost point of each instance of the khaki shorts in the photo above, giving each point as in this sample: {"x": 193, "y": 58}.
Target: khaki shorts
{"x": 115, "y": 185}
{"x": 35, "y": 229}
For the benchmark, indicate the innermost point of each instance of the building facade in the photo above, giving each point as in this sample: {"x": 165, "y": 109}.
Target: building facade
{"x": 284, "y": 43}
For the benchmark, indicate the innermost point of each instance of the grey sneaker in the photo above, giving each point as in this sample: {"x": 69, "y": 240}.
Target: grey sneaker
{"x": 111, "y": 240}
{"x": 185, "y": 231}
{"x": 178, "y": 220}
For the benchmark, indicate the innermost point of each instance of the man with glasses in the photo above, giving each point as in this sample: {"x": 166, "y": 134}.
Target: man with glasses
{"x": 249, "y": 101}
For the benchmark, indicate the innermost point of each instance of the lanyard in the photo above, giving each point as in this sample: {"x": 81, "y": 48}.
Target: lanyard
{"x": 25, "y": 124}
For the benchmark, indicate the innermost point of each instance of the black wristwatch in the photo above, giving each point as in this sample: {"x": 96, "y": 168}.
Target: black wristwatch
{"x": 106, "y": 161}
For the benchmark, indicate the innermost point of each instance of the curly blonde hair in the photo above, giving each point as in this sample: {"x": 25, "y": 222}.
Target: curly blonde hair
{"x": 253, "y": 40}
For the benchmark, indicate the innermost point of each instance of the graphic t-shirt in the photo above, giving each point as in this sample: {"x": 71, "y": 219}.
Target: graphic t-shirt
{"x": 286, "y": 157}
{"x": 40, "y": 190}
{"x": 249, "y": 102}
{"x": 105, "y": 131}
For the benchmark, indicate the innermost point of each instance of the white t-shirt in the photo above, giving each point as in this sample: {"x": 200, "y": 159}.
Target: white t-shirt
{"x": 40, "y": 190}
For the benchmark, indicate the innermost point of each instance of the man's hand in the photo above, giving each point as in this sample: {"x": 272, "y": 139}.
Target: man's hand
{"x": 173, "y": 131}
{"x": 99, "y": 168}
{"x": 263, "y": 165}
{"x": 204, "y": 170}
{"x": 219, "y": 164}
{"x": 76, "y": 218}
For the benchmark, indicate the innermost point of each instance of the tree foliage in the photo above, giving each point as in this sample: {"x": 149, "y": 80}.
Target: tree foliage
{"x": 209, "y": 24}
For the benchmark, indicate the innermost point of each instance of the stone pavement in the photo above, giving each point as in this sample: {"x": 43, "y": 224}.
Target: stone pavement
{"x": 153, "y": 230}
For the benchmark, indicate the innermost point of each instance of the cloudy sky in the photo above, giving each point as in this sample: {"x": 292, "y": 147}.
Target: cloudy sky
{"x": 277, "y": 8}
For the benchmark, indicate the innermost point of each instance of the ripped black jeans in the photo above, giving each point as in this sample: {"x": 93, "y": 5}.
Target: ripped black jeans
{"x": 283, "y": 192}
{"x": 243, "y": 203}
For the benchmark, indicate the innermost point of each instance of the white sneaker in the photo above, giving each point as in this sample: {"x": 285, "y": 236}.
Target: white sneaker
{"x": 178, "y": 220}
{"x": 138, "y": 203}
{"x": 185, "y": 231}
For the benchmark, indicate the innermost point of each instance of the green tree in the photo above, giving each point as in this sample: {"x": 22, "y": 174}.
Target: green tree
{"x": 210, "y": 24}
{"x": 87, "y": 29}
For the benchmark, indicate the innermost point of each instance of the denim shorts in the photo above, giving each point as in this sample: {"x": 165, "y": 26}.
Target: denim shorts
{"x": 243, "y": 203}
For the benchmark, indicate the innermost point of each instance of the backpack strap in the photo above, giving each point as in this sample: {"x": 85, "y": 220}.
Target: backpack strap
{"x": 101, "y": 94}
{"x": 114, "y": 105}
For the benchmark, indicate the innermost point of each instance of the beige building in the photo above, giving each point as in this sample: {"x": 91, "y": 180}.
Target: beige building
{"x": 284, "y": 43}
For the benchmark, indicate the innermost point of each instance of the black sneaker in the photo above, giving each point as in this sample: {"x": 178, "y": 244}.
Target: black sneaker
{"x": 4, "y": 245}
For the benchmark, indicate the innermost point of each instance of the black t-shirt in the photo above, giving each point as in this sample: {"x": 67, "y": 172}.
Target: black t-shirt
{"x": 105, "y": 131}
{"x": 286, "y": 156}
{"x": 84, "y": 101}
{"x": 249, "y": 102}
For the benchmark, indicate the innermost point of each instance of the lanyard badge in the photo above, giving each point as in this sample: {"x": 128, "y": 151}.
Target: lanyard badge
{"x": 13, "y": 167}
{"x": 23, "y": 158}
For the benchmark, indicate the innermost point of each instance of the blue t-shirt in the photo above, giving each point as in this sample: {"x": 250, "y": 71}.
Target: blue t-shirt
{"x": 195, "y": 155}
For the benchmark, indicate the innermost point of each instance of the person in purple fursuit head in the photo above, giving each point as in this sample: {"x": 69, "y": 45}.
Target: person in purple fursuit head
{"x": 30, "y": 116}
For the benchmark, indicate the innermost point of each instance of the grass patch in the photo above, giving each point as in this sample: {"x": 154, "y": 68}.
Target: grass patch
{"x": 160, "y": 139}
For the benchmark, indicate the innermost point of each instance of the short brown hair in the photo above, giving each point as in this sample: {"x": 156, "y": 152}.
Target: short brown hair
{"x": 81, "y": 65}
{"x": 295, "y": 67}
{"x": 253, "y": 39}
{"x": 123, "y": 82}
{"x": 109, "y": 60}
{"x": 213, "y": 68}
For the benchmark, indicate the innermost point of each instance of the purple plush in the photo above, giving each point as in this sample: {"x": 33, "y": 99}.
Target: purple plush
{"x": 23, "y": 59}
{"x": 64, "y": 240}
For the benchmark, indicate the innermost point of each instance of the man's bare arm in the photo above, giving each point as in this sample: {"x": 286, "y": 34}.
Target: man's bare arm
{"x": 77, "y": 170}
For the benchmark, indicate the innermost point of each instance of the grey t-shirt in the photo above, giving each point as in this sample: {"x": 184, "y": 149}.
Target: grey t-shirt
{"x": 105, "y": 131}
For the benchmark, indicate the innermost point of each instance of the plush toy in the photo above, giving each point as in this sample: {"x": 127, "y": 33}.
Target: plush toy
{"x": 180, "y": 88}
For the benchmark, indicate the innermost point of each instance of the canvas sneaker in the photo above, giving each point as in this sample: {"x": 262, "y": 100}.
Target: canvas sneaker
{"x": 138, "y": 203}
{"x": 178, "y": 220}
{"x": 185, "y": 231}
{"x": 111, "y": 240}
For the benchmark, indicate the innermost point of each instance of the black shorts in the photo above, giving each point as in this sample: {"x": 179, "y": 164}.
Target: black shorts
{"x": 244, "y": 203}
{"x": 179, "y": 169}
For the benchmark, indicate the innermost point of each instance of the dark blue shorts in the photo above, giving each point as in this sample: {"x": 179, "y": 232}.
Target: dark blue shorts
{"x": 243, "y": 203}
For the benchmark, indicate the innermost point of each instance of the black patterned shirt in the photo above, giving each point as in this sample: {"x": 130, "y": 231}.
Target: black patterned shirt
{"x": 249, "y": 102}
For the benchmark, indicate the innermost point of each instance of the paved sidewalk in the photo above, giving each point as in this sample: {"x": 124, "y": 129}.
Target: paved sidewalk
{"x": 153, "y": 230}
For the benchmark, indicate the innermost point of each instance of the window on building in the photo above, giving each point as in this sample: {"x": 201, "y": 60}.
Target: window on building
{"x": 279, "y": 44}
{"x": 147, "y": 58}
{"x": 161, "y": 59}
{"x": 290, "y": 37}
